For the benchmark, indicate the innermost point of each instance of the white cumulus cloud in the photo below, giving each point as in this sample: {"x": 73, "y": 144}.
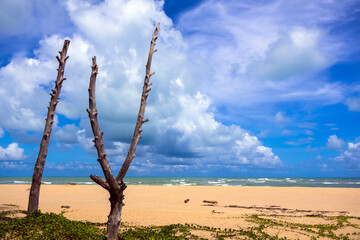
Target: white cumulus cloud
{"x": 334, "y": 142}
{"x": 67, "y": 134}
{"x": 272, "y": 54}
{"x": 351, "y": 155}
{"x": 294, "y": 54}
{"x": 280, "y": 117}
{"x": 182, "y": 130}
{"x": 12, "y": 152}
{"x": 353, "y": 104}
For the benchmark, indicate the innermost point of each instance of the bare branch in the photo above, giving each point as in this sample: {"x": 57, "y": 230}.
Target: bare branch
{"x": 97, "y": 132}
{"x": 100, "y": 181}
{"x": 140, "y": 120}
{"x": 40, "y": 162}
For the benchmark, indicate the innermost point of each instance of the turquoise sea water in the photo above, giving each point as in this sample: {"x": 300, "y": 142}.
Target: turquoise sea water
{"x": 271, "y": 182}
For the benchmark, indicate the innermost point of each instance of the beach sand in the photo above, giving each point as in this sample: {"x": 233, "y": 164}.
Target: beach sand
{"x": 162, "y": 205}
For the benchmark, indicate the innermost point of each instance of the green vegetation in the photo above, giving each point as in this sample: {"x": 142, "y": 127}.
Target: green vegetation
{"x": 55, "y": 226}
{"x": 46, "y": 226}
{"x": 310, "y": 230}
{"x": 174, "y": 232}
{"x": 10, "y": 205}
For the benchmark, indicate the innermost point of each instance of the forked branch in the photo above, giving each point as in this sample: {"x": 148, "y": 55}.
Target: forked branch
{"x": 116, "y": 186}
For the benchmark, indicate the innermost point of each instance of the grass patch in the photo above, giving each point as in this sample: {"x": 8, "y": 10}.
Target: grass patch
{"x": 10, "y": 205}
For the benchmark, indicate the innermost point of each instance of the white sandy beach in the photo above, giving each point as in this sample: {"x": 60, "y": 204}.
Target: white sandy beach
{"x": 160, "y": 205}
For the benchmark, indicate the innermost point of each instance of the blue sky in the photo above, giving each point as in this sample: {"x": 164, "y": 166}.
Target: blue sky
{"x": 242, "y": 88}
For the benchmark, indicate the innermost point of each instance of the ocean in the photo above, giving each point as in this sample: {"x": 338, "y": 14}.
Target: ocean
{"x": 201, "y": 181}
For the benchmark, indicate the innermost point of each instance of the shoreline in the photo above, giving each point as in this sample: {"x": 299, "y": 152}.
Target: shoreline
{"x": 201, "y": 181}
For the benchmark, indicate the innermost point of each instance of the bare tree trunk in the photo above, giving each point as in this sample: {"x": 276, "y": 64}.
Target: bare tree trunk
{"x": 114, "y": 218}
{"x": 116, "y": 186}
{"x": 40, "y": 162}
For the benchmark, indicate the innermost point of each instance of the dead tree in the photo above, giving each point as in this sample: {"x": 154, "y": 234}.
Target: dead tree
{"x": 116, "y": 186}
{"x": 40, "y": 162}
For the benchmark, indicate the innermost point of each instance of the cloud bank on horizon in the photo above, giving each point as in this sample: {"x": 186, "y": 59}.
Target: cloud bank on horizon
{"x": 240, "y": 87}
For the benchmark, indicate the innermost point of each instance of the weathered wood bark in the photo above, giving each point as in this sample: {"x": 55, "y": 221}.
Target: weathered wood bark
{"x": 40, "y": 162}
{"x": 116, "y": 186}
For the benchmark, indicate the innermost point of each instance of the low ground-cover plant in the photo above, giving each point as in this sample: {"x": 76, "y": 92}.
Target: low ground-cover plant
{"x": 39, "y": 225}
{"x": 56, "y": 226}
